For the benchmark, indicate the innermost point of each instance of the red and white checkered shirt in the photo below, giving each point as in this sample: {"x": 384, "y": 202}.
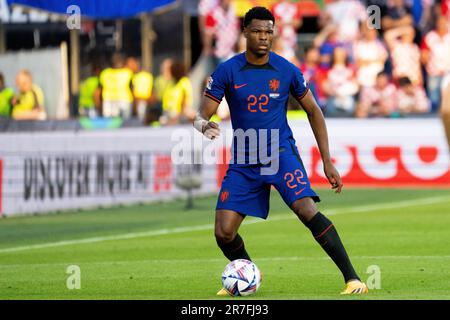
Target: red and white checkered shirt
{"x": 439, "y": 49}
{"x": 373, "y": 96}
{"x": 224, "y": 25}
{"x": 205, "y": 6}
{"x": 445, "y": 7}
{"x": 286, "y": 12}
{"x": 413, "y": 103}
{"x": 375, "y": 53}
{"x": 341, "y": 80}
{"x": 406, "y": 61}
{"x": 346, "y": 15}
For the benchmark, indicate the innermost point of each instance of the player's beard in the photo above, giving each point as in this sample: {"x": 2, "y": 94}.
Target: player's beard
{"x": 261, "y": 52}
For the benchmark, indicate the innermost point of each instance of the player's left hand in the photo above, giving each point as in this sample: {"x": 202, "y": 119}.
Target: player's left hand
{"x": 211, "y": 130}
{"x": 333, "y": 177}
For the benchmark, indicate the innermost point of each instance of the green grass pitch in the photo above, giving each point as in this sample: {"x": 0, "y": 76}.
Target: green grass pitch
{"x": 161, "y": 251}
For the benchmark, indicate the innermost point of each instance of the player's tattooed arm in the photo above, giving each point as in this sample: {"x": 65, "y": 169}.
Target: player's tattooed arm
{"x": 208, "y": 128}
{"x": 317, "y": 122}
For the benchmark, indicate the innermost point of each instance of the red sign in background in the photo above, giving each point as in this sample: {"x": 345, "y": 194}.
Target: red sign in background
{"x": 357, "y": 175}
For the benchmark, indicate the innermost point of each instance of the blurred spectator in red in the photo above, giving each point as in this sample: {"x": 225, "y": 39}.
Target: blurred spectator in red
{"x": 314, "y": 74}
{"x": 445, "y": 8}
{"x": 29, "y": 105}
{"x": 287, "y": 21}
{"x": 436, "y": 57}
{"x": 204, "y": 7}
{"x": 405, "y": 54}
{"x": 345, "y": 16}
{"x": 398, "y": 14}
{"x": 221, "y": 28}
{"x": 340, "y": 86}
{"x": 370, "y": 56}
{"x": 411, "y": 98}
{"x": 379, "y": 100}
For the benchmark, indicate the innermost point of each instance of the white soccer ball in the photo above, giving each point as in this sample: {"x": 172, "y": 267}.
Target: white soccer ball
{"x": 241, "y": 277}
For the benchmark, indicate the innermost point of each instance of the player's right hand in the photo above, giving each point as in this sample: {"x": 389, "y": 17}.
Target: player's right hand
{"x": 211, "y": 130}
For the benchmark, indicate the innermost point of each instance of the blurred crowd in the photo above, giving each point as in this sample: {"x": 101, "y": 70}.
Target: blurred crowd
{"x": 392, "y": 67}
{"x": 122, "y": 90}
{"x": 370, "y": 58}
{"x": 125, "y": 90}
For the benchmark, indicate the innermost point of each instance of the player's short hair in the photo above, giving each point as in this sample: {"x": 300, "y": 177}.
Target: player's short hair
{"x": 259, "y": 13}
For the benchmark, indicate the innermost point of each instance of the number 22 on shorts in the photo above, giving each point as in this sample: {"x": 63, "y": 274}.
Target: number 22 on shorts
{"x": 297, "y": 176}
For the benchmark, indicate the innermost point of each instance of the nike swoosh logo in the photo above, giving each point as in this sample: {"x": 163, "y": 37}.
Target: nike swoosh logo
{"x": 240, "y": 86}
{"x": 298, "y": 192}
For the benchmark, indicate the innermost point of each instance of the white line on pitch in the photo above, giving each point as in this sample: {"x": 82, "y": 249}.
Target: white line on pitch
{"x": 133, "y": 235}
{"x": 206, "y": 260}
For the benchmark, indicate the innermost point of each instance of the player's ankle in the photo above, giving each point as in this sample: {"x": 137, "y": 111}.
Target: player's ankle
{"x": 353, "y": 279}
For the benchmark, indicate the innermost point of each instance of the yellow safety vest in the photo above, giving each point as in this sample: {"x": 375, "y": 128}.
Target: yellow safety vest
{"x": 173, "y": 96}
{"x": 142, "y": 85}
{"x": 161, "y": 85}
{"x": 27, "y": 101}
{"x": 116, "y": 84}
{"x": 87, "y": 92}
{"x": 6, "y": 96}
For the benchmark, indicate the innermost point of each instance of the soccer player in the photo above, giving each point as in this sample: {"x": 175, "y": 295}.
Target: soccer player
{"x": 257, "y": 84}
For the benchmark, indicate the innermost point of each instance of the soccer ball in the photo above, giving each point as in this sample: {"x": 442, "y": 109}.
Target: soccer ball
{"x": 241, "y": 277}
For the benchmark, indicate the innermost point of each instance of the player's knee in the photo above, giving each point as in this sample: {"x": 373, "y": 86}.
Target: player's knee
{"x": 305, "y": 210}
{"x": 224, "y": 235}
